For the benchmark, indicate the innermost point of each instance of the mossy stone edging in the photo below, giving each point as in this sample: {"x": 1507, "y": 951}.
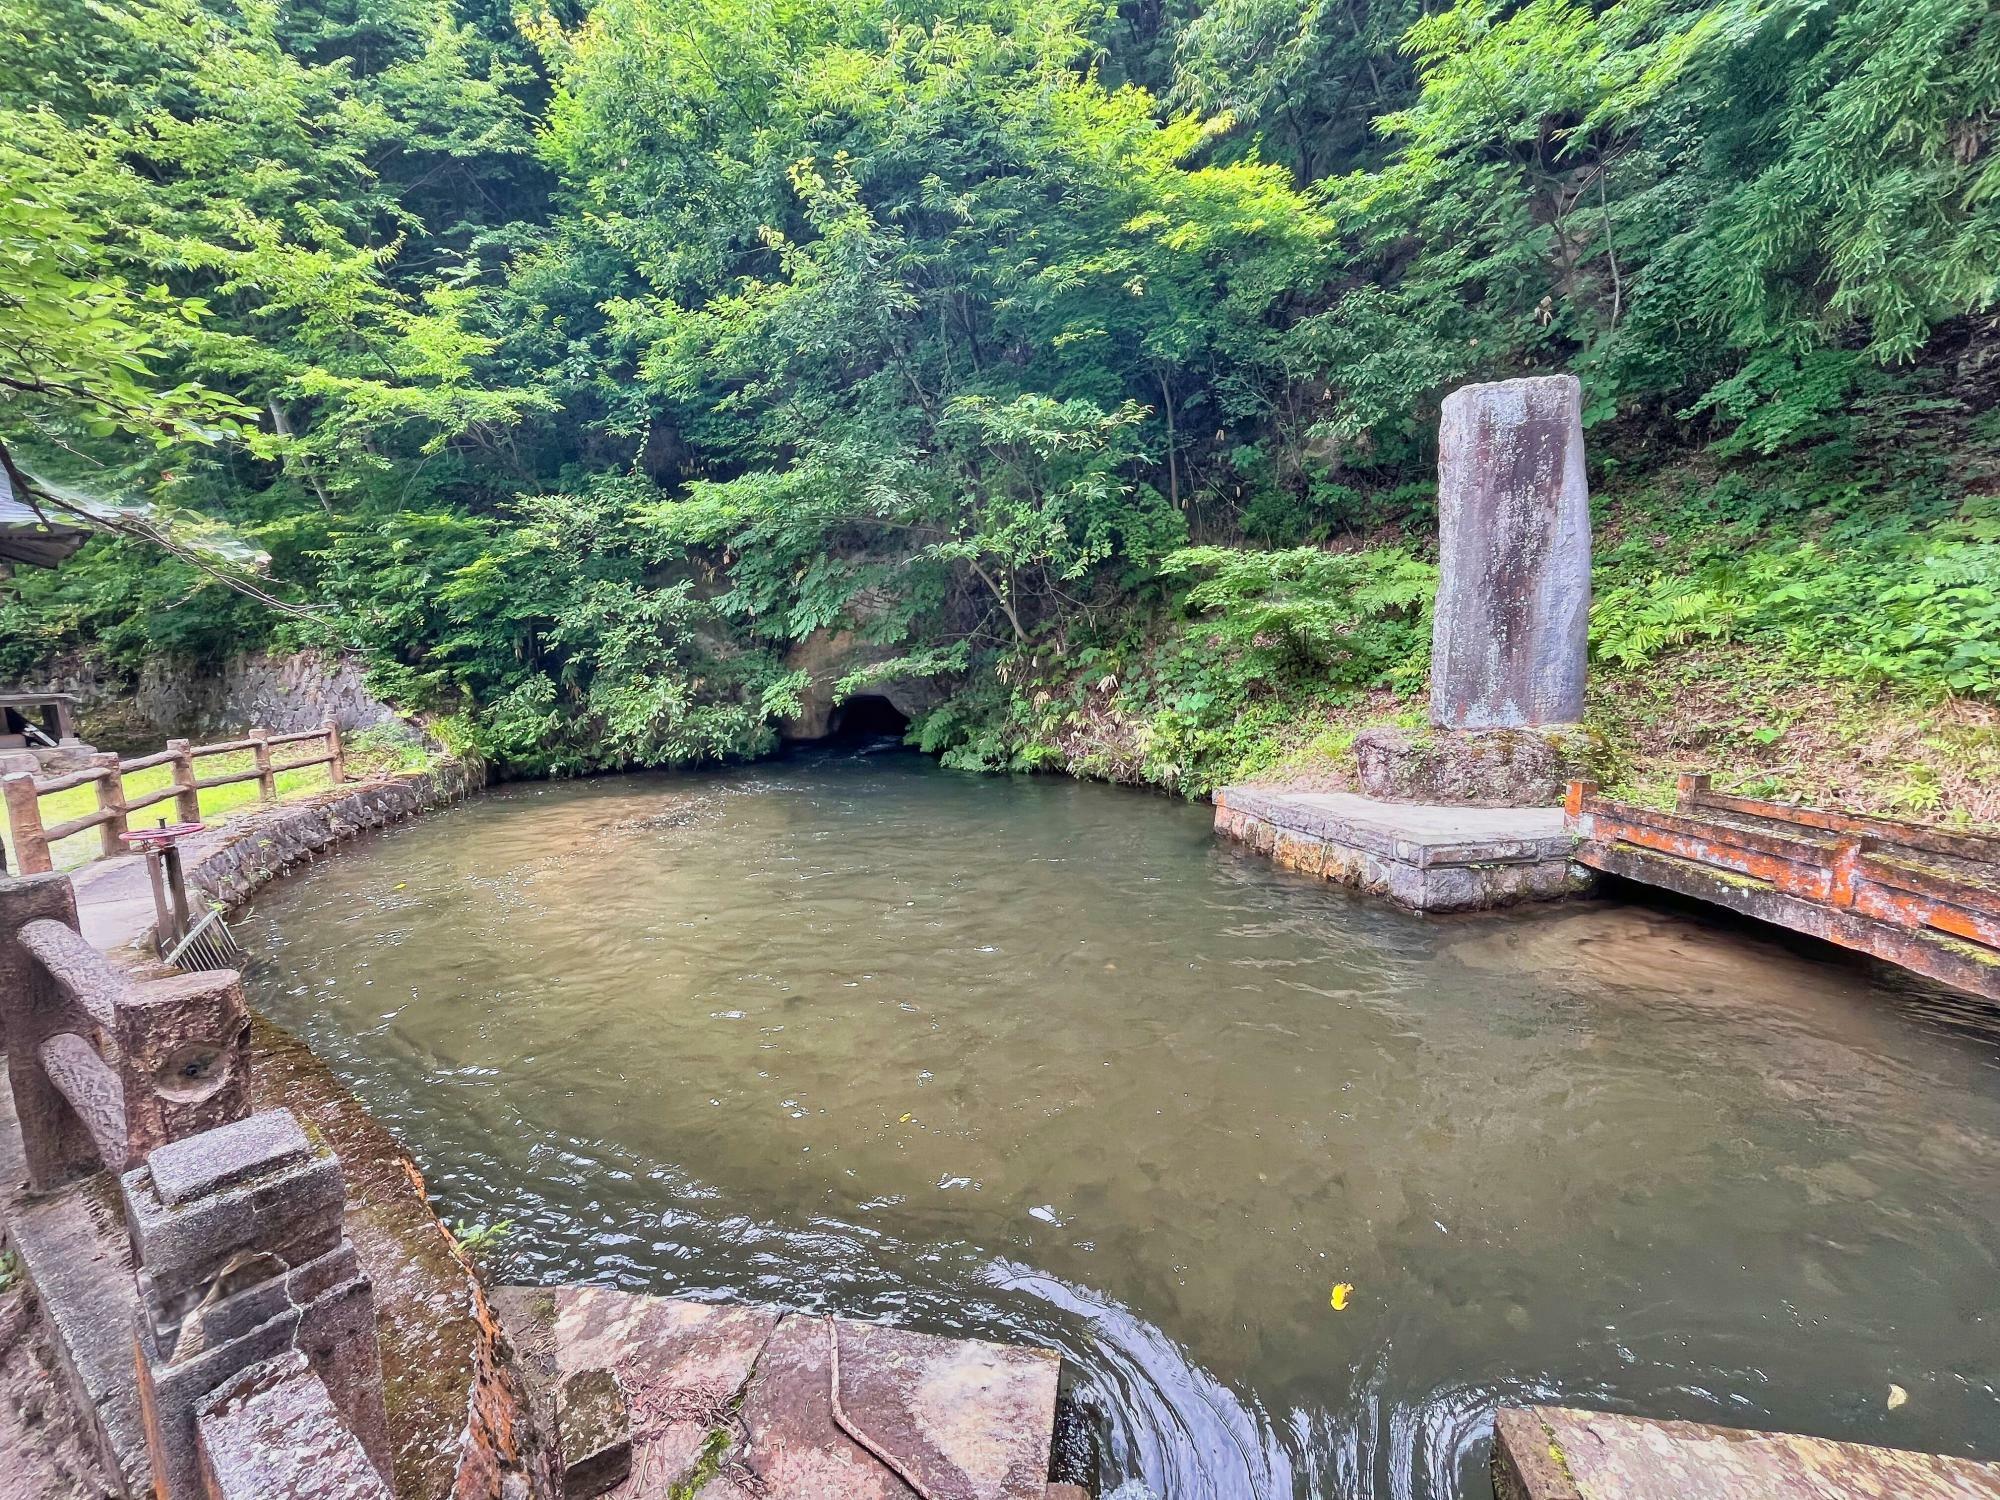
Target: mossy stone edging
{"x": 459, "y": 1419}
{"x": 460, "y": 1424}
{"x": 257, "y": 848}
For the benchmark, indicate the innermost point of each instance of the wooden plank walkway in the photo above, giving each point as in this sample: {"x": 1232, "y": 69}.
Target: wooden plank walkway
{"x": 1561, "y": 1453}
{"x": 1925, "y": 898}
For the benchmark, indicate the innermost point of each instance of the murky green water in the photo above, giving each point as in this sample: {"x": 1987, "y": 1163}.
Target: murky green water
{"x": 1044, "y": 1060}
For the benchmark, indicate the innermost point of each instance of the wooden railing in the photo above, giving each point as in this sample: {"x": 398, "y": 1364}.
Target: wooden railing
{"x": 24, "y": 792}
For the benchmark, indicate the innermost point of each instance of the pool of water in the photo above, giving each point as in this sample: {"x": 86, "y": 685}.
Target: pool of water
{"x": 1047, "y": 1061}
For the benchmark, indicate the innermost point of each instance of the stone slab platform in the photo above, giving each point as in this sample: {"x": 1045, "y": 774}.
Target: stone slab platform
{"x": 1428, "y": 857}
{"x": 1561, "y": 1453}
{"x": 731, "y": 1402}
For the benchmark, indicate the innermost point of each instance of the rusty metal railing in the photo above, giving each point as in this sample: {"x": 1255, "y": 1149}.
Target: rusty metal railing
{"x": 1924, "y": 898}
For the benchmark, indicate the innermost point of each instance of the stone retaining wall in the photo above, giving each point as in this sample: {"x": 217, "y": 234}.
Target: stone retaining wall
{"x": 282, "y": 691}
{"x": 258, "y": 847}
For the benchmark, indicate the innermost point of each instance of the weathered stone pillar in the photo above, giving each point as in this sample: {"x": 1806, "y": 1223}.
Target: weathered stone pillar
{"x": 1511, "y": 629}
{"x": 273, "y": 1430}
{"x": 242, "y": 1259}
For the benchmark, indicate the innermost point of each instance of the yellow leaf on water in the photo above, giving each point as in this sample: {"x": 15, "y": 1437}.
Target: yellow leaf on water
{"x": 1341, "y": 1292}
{"x": 1897, "y": 1396}
{"x": 906, "y": 1119}
{"x": 399, "y": 885}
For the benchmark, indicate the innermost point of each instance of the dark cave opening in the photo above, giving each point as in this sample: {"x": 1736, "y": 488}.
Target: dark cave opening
{"x": 867, "y": 716}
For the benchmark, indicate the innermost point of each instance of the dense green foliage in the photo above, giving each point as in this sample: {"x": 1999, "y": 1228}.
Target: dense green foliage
{"x": 574, "y": 364}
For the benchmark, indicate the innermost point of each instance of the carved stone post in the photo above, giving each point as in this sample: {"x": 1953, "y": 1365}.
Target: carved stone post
{"x": 1512, "y": 626}
{"x": 187, "y": 799}
{"x": 242, "y": 1260}
{"x": 267, "y": 783}
{"x": 103, "y": 1068}
{"x": 33, "y": 1008}
{"x": 1510, "y": 633}
{"x": 274, "y": 1430}
{"x": 110, "y": 801}
{"x": 183, "y": 1057}
{"x": 24, "y": 816}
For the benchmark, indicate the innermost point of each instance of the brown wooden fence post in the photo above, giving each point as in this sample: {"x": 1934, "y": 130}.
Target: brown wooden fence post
{"x": 187, "y": 798}
{"x": 267, "y": 784}
{"x": 336, "y": 768}
{"x": 111, "y": 801}
{"x": 24, "y": 815}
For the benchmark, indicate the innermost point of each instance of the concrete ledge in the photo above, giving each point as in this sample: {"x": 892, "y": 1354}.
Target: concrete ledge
{"x": 1561, "y": 1453}
{"x": 1424, "y": 856}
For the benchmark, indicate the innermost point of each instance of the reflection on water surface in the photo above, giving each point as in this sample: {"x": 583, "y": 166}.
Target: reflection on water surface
{"x": 1043, "y": 1060}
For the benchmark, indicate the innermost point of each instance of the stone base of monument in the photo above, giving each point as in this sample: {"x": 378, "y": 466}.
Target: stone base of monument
{"x": 1476, "y": 767}
{"x": 1466, "y": 813}
{"x": 1428, "y": 857}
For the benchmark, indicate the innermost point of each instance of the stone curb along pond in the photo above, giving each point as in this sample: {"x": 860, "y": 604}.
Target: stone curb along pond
{"x": 230, "y": 861}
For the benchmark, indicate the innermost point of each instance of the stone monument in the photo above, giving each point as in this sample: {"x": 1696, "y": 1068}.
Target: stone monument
{"x": 1465, "y": 813}
{"x": 1510, "y": 633}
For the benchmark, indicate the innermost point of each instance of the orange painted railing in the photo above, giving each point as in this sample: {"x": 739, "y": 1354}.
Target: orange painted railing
{"x": 1923, "y": 897}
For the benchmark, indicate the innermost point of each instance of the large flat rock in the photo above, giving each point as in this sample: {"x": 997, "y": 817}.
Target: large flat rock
{"x": 967, "y": 1420}
{"x": 1561, "y": 1453}
{"x": 740, "y": 1402}
{"x": 681, "y": 1364}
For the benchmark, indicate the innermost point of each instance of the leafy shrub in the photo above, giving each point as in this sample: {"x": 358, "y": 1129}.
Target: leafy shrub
{"x": 1357, "y": 618}
{"x": 1917, "y": 608}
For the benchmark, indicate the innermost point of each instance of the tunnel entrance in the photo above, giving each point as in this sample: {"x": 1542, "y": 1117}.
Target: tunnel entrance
{"x": 867, "y": 716}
